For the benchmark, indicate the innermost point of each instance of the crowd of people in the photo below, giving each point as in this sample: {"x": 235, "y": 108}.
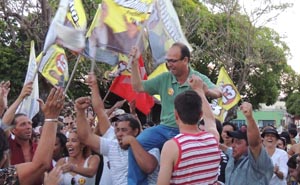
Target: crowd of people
{"x": 94, "y": 145}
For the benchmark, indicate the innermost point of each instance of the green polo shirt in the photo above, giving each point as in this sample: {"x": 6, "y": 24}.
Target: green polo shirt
{"x": 168, "y": 88}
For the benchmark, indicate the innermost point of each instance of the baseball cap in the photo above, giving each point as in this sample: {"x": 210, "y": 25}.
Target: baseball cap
{"x": 270, "y": 131}
{"x": 239, "y": 134}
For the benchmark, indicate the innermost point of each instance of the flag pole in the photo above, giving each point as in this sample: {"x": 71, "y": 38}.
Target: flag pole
{"x": 93, "y": 65}
{"x": 72, "y": 74}
{"x": 38, "y": 66}
{"x": 106, "y": 95}
{"x": 139, "y": 37}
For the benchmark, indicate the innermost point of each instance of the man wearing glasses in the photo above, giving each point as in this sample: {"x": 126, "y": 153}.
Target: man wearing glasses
{"x": 168, "y": 85}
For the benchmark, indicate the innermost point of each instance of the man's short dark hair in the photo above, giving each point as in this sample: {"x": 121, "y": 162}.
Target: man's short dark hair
{"x": 293, "y": 132}
{"x": 292, "y": 162}
{"x": 185, "y": 52}
{"x": 133, "y": 122}
{"x": 188, "y": 105}
{"x": 15, "y": 117}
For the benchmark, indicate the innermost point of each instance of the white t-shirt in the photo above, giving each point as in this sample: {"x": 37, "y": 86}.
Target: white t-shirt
{"x": 280, "y": 158}
{"x": 106, "y": 175}
{"x": 118, "y": 159}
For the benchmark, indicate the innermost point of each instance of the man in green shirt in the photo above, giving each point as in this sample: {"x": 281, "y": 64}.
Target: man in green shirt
{"x": 168, "y": 85}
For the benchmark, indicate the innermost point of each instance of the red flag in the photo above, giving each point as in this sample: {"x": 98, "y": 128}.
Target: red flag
{"x": 122, "y": 87}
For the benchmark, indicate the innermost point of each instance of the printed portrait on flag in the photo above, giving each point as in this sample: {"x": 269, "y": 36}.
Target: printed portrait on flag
{"x": 54, "y": 66}
{"x": 116, "y": 27}
{"x": 164, "y": 29}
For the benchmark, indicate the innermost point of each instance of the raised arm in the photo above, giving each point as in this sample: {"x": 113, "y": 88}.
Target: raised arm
{"x": 4, "y": 90}
{"x": 10, "y": 112}
{"x": 254, "y": 139}
{"x": 28, "y": 173}
{"x": 209, "y": 119}
{"x": 84, "y": 131}
{"x": 214, "y": 93}
{"x": 98, "y": 105}
{"x": 136, "y": 79}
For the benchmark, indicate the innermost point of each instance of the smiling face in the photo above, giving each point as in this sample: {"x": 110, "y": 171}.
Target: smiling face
{"x": 73, "y": 145}
{"x": 23, "y": 128}
{"x": 179, "y": 65}
{"x": 270, "y": 140}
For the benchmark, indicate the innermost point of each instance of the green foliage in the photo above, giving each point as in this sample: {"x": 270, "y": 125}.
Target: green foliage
{"x": 13, "y": 68}
{"x": 255, "y": 57}
{"x": 293, "y": 104}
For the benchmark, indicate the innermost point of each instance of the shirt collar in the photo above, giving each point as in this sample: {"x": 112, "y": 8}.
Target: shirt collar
{"x": 191, "y": 71}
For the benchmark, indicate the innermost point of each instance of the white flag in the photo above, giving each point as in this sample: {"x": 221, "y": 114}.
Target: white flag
{"x": 30, "y": 105}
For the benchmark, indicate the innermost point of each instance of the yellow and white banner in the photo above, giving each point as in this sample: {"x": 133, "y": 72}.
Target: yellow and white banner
{"x": 230, "y": 95}
{"x": 54, "y": 66}
{"x": 68, "y": 26}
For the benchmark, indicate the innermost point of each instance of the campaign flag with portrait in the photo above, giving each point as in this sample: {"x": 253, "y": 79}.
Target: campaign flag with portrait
{"x": 68, "y": 26}
{"x": 30, "y": 105}
{"x": 116, "y": 28}
{"x": 164, "y": 29}
{"x": 54, "y": 66}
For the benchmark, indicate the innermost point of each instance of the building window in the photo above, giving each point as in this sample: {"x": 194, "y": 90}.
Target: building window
{"x": 263, "y": 123}
{"x": 239, "y": 123}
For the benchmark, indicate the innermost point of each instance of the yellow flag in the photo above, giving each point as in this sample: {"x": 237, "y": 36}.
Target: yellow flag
{"x": 230, "y": 96}
{"x": 54, "y": 66}
{"x": 159, "y": 70}
{"x": 76, "y": 14}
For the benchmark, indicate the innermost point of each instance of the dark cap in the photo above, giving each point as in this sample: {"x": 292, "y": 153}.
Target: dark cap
{"x": 239, "y": 134}
{"x": 270, "y": 131}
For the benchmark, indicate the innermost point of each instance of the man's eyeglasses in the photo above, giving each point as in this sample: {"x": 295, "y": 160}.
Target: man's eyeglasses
{"x": 173, "y": 60}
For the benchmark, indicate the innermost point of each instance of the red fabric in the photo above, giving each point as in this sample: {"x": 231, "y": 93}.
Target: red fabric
{"x": 16, "y": 153}
{"x": 122, "y": 87}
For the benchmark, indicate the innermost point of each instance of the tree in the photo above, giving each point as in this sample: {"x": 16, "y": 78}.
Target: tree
{"x": 227, "y": 36}
{"x": 293, "y": 103}
{"x": 22, "y": 21}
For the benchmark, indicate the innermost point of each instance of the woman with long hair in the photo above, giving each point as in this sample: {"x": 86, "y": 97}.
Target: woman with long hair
{"x": 80, "y": 167}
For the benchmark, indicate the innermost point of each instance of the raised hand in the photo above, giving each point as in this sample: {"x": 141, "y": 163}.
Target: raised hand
{"x": 4, "y": 88}
{"x": 91, "y": 81}
{"x": 54, "y": 103}
{"x": 26, "y": 90}
{"x": 246, "y": 109}
{"x": 82, "y": 103}
{"x": 135, "y": 54}
{"x": 196, "y": 83}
